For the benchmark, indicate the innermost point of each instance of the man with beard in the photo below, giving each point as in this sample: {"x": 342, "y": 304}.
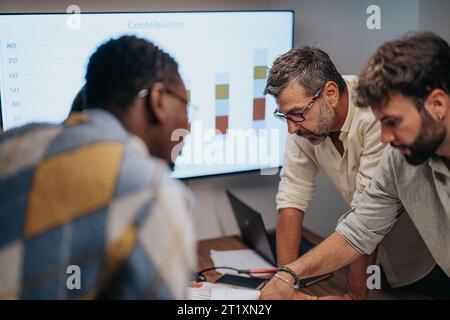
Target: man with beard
{"x": 328, "y": 132}
{"x": 406, "y": 83}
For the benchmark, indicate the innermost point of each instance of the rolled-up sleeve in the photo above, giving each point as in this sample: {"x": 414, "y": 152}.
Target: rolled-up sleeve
{"x": 365, "y": 227}
{"x": 297, "y": 184}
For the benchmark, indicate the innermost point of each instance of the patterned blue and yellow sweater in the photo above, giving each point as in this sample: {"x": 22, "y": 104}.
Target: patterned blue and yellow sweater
{"x": 88, "y": 194}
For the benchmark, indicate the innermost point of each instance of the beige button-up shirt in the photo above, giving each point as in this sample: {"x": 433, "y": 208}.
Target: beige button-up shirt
{"x": 351, "y": 173}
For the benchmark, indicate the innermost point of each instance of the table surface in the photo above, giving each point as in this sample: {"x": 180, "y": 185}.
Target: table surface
{"x": 332, "y": 286}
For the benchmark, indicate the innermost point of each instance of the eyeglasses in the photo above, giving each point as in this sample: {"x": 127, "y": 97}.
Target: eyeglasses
{"x": 144, "y": 92}
{"x": 191, "y": 110}
{"x": 297, "y": 113}
{"x": 177, "y": 96}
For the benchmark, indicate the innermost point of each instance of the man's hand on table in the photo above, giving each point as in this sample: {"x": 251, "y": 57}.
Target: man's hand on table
{"x": 277, "y": 289}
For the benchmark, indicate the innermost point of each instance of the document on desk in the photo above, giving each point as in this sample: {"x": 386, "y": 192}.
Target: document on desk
{"x": 239, "y": 259}
{"x": 212, "y": 291}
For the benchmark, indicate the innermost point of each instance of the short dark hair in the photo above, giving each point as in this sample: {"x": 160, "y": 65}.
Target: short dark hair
{"x": 121, "y": 67}
{"x": 412, "y": 66}
{"x": 310, "y": 67}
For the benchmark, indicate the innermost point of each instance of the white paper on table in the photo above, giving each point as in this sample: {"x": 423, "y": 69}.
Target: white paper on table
{"x": 234, "y": 294}
{"x": 239, "y": 259}
{"x": 201, "y": 293}
{"x": 212, "y": 291}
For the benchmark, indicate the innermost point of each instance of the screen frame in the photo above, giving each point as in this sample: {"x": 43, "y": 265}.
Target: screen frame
{"x": 180, "y": 11}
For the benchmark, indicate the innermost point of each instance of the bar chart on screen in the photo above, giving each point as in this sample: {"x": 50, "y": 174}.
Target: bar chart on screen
{"x": 222, "y": 56}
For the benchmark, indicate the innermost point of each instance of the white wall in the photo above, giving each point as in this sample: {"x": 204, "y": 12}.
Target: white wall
{"x": 434, "y": 16}
{"x": 339, "y": 27}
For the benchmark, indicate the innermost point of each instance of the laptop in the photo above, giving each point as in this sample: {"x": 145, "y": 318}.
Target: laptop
{"x": 253, "y": 232}
{"x": 255, "y": 236}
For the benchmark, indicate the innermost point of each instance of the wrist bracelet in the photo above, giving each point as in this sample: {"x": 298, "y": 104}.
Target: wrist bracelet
{"x": 291, "y": 272}
{"x": 283, "y": 279}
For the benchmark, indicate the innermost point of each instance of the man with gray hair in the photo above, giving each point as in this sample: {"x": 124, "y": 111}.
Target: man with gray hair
{"x": 328, "y": 132}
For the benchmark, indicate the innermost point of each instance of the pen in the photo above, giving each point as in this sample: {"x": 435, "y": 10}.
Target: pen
{"x": 260, "y": 271}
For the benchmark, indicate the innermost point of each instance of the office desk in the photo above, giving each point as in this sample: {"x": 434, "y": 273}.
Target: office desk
{"x": 333, "y": 286}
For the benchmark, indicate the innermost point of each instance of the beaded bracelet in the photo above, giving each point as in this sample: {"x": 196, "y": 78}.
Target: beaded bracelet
{"x": 291, "y": 272}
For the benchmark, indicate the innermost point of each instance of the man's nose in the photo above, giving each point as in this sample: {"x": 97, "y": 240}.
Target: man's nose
{"x": 292, "y": 126}
{"x": 387, "y": 136}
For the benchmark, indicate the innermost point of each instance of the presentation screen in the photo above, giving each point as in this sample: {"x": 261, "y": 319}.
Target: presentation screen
{"x": 223, "y": 59}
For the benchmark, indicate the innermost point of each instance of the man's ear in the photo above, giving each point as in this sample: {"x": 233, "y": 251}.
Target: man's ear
{"x": 331, "y": 93}
{"x": 156, "y": 96}
{"x": 437, "y": 104}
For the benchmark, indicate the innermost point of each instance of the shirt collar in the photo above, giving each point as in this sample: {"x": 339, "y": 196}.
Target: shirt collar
{"x": 110, "y": 121}
{"x": 351, "y": 108}
{"x": 106, "y": 119}
{"x": 438, "y": 165}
